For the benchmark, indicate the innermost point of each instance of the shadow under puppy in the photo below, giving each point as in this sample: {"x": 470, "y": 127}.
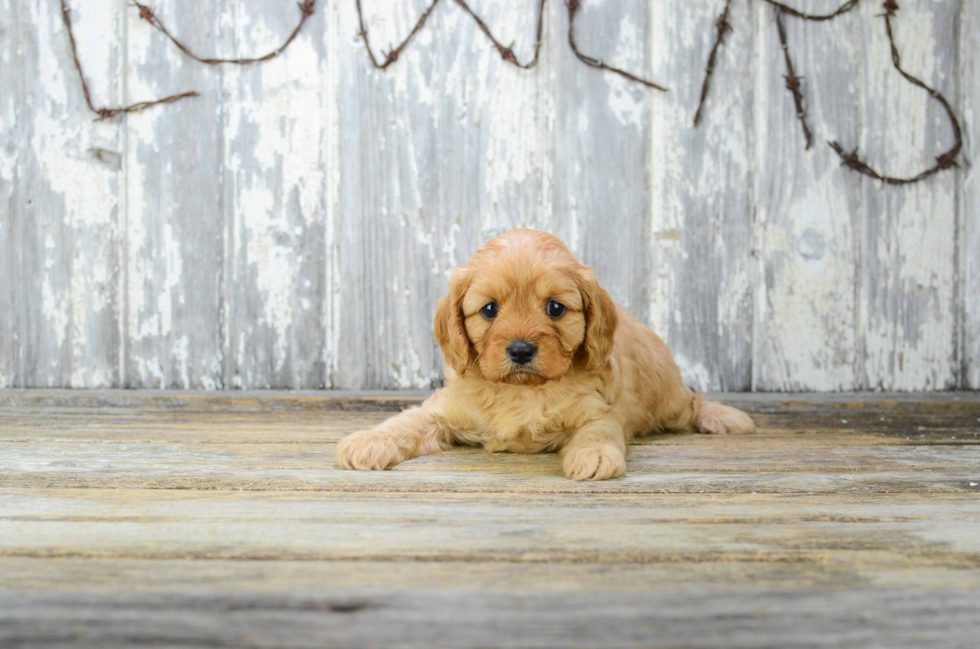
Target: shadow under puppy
{"x": 540, "y": 358}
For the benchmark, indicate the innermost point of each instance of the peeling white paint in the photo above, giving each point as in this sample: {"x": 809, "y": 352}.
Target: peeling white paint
{"x": 332, "y": 242}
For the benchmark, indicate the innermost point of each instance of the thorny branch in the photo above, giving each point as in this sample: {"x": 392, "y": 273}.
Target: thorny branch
{"x": 851, "y": 160}
{"x": 793, "y": 81}
{"x": 843, "y": 9}
{"x": 394, "y": 53}
{"x": 944, "y": 161}
{"x": 723, "y": 26}
{"x": 573, "y": 7}
{"x": 305, "y": 7}
{"x": 105, "y": 112}
{"x": 506, "y": 53}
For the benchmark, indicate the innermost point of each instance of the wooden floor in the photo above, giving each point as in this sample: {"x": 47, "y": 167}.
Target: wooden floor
{"x": 181, "y": 520}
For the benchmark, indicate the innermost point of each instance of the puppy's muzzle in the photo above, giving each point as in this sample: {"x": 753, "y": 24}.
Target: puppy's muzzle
{"x": 521, "y": 352}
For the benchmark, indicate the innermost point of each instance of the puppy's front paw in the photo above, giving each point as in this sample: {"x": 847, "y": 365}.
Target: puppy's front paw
{"x": 594, "y": 463}
{"x": 368, "y": 450}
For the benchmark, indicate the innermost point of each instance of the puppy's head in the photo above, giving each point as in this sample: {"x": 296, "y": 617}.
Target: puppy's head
{"x": 524, "y": 311}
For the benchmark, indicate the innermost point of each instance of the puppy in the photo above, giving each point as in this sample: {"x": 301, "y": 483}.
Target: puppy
{"x": 540, "y": 358}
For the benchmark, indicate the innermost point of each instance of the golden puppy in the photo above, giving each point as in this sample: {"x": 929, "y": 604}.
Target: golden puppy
{"x": 539, "y": 358}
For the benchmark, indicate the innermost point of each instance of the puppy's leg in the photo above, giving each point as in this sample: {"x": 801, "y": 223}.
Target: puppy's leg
{"x": 414, "y": 432}
{"x": 713, "y": 417}
{"x": 597, "y": 451}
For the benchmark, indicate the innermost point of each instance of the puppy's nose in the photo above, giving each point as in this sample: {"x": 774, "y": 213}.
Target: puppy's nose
{"x": 521, "y": 352}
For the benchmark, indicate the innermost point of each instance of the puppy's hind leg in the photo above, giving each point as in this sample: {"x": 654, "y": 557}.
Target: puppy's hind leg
{"x": 717, "y": 418}
{"x": 414, "y": 432}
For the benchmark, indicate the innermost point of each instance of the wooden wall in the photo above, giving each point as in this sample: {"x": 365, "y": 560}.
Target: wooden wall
{"x": 294, "y": 226}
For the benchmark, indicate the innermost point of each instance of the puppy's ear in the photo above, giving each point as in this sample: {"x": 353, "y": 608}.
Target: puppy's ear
{"x": 449, "y": 328}
{"x": 600, "y": 320}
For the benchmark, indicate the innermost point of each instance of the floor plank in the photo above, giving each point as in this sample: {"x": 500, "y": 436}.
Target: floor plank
{"x": 129, "y": 519}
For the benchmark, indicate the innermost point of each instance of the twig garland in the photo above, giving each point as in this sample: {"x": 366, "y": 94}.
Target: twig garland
{"x": 793, "y": 81}
{"x": 851, "y": 160}
{"x": 394, "y": 53}
{"x": 722, "y": 26}
{"x": 107, "y": 112}
{"x": 506, "y": 53}
{"x": 305, "y": 8}
{"x": 843, "y": 9}
{"x": 573, "y": 7}
{"x": 944, "y": 161}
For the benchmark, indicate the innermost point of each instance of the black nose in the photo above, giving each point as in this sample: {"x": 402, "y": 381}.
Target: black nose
{"x": 521, "y": 352}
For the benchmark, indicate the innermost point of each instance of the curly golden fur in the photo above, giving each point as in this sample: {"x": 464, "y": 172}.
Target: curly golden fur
{"x": 599, "y": 378}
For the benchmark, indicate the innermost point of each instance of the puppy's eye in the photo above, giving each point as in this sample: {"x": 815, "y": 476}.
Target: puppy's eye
{"x": 556, "y": 309}
{"x": 489, "y": 311}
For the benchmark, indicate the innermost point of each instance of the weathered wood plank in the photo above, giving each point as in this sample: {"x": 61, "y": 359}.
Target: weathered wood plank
{"x": 407, "y": 210}
{"x": 122, "y": 525}
{"x": 908, "y": 253}
{"x": 233, "y": 253}
{"x": 808, "y": 209}
{"x": 932, "y": 403}
{"x": 281, "y": 451}
{"x": 10, "y": 155}
{"x": 599, "y": 184}
{"x": 62, "y": 225}
{"x": 969, "y": 195}
{"x": 488, "y": 527}
{"x": 788, "y": 618}
{"x": 274, "y": 182}
{"x": 68, "y": 576}
{"x": 702, "y": 279}
{"x": 177, "y": 214}
{"x": 490, "y": 474}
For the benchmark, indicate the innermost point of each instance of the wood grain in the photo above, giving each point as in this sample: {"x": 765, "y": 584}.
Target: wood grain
{"x": 177, "y": 216}
{"x": 61, "y": 227}
{"x": 274, "y": 135}
{"x": 703, "y": 275}
{"x": 968, "y": 231}
{"x": 295, "y": 225}
{"x": 909, "y": 237}
{"x": 188, "y": 520}
{"x": 10, "y": 152}
{"x": 809, "y": 213}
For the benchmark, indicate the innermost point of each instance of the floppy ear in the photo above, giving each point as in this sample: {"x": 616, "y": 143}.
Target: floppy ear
{"x": 449, "y": 328}
{"x": 600, "y": 320}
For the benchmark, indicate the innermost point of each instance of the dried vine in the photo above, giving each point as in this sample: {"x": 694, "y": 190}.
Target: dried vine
{"x": 573, "y": 7}
{"x": 394, "y": 53}
{"x": 506, "y": 53}
{"x": 305, "y": 8}
{"x": 944, "y": 161}
{"x": 723, "y": 27}
{"x": 851, "y": 160}
{"x": 843, "y": 9}
{"x": 107, "y": 112}
{"x": 793, "y": 81}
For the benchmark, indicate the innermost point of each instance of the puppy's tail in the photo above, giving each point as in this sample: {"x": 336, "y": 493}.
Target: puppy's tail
{"x": 717, "y": 418}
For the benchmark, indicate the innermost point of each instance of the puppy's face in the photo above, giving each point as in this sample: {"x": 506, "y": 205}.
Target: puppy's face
{"x": 524, "y": 311}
